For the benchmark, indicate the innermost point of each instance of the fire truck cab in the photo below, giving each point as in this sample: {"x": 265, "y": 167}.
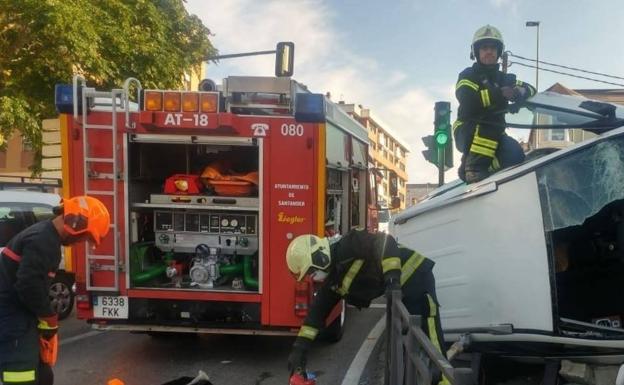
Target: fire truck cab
{"x": 205, "y": 190}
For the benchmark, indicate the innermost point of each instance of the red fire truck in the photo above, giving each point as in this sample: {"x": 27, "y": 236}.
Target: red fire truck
{"x": 205, "y": 190}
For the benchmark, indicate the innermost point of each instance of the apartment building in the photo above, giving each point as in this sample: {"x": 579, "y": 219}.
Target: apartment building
{"x": 17, "y": 156}
{"x": 387, "y": 151}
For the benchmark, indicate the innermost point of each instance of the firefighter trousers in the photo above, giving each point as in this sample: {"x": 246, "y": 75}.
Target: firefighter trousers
{"x": 419, "y": 298}
{"x": 20, "y": 363}
{"x": 485, "y": 149}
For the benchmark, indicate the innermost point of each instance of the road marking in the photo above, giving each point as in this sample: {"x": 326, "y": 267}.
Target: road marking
{"x": 352, "y": 377}
{"x": 79, "y": 337}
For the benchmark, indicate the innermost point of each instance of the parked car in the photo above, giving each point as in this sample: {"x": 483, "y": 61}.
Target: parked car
{"x": 20, "y": 209}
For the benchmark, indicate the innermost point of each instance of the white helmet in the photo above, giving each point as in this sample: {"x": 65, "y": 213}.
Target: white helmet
{"x": 490, "y": 34}
{"x": 306, "y": 252}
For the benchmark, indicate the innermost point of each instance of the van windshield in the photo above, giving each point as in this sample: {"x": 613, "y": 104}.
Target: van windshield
{"x": 579, "y": 185}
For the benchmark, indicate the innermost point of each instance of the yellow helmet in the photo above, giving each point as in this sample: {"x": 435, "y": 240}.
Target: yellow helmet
{"x": 487, "y": 33}
{"x": 306, "y": 252}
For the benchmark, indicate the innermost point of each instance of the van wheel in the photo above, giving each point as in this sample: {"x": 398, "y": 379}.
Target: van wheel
{"x": 334, "y": 331}
{"x": 61, "y": 295}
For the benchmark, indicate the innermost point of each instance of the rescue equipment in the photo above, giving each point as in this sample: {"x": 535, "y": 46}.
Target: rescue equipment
{"x": 183, "y": 184}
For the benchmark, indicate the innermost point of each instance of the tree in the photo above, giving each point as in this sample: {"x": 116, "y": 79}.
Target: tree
{"x": 45, "y": 42}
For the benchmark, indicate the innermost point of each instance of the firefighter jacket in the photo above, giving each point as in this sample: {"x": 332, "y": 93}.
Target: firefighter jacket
{"x": 362, "y": 263}
{"x": 482, "y": 106}
{"x": 27, "y": 263}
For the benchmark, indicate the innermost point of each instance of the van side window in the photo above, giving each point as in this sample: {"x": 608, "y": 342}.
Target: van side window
{"x": 15, "y": 217}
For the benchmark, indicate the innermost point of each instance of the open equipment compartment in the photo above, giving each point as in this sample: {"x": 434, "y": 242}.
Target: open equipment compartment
{"x": 194, "y": 215}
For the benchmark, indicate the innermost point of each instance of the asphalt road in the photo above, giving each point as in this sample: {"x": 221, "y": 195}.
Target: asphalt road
{"x": 92, "y": 358}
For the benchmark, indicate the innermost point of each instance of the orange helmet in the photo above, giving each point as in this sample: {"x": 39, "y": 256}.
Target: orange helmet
{"x": 85, "y": 214}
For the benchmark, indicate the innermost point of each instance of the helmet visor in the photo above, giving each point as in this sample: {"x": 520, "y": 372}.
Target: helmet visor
{"x": 320, "y": 260}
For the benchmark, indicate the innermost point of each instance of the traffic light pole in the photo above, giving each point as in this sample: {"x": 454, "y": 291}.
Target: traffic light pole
{"x": 440, "y": 168}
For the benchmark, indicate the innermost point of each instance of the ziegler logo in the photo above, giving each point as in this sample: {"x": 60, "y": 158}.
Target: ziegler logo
{"x": 291, "y": 220}
{"x": 260, "y": 129}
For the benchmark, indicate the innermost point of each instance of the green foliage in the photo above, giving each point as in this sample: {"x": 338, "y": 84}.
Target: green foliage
{"x": 45, "y": 42}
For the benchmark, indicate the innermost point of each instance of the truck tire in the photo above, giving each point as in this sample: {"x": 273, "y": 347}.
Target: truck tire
{"x": 334, "y": 331}
{"x": 61, "y": 294}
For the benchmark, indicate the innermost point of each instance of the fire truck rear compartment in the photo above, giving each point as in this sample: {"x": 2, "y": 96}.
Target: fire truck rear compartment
{"x": 589, "y": 268}
{"x": 194, "y": 216}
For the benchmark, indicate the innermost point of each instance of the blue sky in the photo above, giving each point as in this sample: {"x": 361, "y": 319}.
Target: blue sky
{"x": 397, "y": 58}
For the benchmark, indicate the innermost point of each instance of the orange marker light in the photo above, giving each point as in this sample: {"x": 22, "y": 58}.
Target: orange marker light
{"x": 153, "y": 101}
{"x": 172, "y": 101}
{"x": 190, "y": 102}
{"x": 209, "y": 102}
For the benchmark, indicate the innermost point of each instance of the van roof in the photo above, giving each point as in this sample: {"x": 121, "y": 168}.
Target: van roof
{"x": 21, "y": 196}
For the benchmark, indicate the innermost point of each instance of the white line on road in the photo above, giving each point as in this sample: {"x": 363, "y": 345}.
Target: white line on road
{"x": 79, "y": 337}
{"x": 352, "y": 377}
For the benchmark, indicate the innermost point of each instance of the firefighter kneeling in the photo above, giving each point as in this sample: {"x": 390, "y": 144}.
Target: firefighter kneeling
{"x": 359, "y": 268}
{"x": 28, "y": 326}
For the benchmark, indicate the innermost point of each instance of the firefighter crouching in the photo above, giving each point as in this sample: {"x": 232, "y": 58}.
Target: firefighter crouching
{"x": 484, "y": 92}
{"x": 28, "y": 326}
{"x": 360, "y": 267}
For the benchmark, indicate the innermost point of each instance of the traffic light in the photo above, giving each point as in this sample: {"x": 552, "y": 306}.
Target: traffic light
{"x": 284, "y": 59}
{"x": 442, "y": 132}
{"x": 431, "y": 153}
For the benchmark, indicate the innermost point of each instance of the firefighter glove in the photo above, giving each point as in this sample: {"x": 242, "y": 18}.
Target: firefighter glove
{"x": 297, "y": 359}
{"x": 514, "y": 107}
{"x": 48, "y": 326}
{"x": 519, "y": 93}
{"x": 508, "y": 93}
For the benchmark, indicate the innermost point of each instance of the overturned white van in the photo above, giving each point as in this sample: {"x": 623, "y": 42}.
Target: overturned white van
{"x": 530, "y": 262}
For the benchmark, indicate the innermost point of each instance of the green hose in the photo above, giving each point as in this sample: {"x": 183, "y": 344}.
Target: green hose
{"x": 137, "y": 255}
{"x": 231, "y": 269}
{"x": 248, "y": 278}
{"x": 148, "y": 274}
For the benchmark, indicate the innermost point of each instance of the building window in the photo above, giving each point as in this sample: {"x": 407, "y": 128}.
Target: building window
{"x": 556, "y": 135}
{"x": 26, "y": 145}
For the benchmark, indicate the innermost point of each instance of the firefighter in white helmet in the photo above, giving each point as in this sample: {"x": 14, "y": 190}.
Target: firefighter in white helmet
{"x": 360, "y": 267}
{"x": 484, "y": 93}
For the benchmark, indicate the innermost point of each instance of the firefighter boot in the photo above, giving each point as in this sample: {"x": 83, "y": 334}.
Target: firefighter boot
{"x": 473, "y": 176}
{"x": 476, "y": 168}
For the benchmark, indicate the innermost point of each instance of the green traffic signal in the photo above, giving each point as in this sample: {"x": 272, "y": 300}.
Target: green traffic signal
{"x": 441, "y": 138}
{"x": 442, "y": 134}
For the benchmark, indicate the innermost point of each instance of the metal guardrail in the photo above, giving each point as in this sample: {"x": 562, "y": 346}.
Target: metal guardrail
{"x": 411, "y": 358}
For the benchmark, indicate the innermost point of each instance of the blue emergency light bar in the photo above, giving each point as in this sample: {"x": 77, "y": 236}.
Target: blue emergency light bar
{"x": 64, "y": 98}
{"x": 310, "y": 108}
